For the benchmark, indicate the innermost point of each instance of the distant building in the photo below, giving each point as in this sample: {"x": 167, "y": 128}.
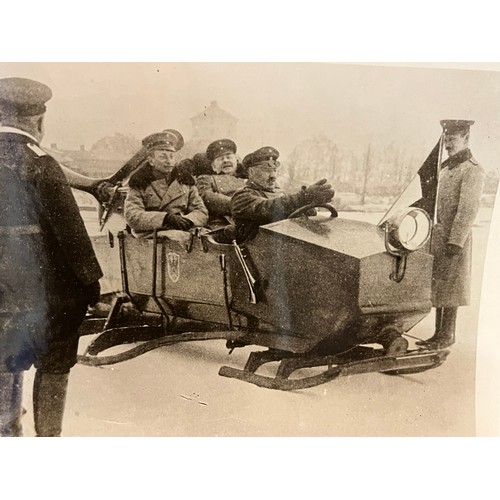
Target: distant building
{"x": 86, "y": 162}
{"x": 104, "y": 158}
{"x": 211, "y": 124}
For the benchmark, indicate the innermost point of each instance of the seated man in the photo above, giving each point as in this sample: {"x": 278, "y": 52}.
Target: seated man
{"x": 217, "y": 188}
{"x": 261, "y": 201}
{"x": 161, "y": 196}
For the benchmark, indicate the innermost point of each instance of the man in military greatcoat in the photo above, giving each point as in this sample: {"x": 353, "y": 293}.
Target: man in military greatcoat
{"x": 49, "y": 272}
{"x": 459, "y": 193}
{"x": 261, "y": 201}
{"x": 217, "y": 189}
{"x": 161, "y": 195}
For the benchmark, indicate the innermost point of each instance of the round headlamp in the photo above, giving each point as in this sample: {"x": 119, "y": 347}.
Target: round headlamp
{"x": 408, "y": 230}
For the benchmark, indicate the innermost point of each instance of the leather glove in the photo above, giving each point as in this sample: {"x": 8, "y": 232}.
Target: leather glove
{"x": 93, "y": 293}
{"x": 104, "y": 191}
{"x": 319, "y": 192}
{"x": 182, "y": 172}
{"x": 177, "y": 222}
{"x": 452, "y": 250}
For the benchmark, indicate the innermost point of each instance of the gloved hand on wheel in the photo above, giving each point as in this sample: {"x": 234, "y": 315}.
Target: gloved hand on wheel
{"x": 319, "y": 193}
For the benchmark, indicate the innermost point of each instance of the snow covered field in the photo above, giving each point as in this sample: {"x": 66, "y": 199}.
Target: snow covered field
{"x": 176, "y": 391}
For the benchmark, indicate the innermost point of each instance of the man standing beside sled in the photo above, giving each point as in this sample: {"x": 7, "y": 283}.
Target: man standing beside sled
{"x": 459, "y": 193}
{"x": 49, "y": 273}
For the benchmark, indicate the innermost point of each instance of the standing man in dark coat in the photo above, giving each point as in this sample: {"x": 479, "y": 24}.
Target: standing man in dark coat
{"x": 459, "y": 194}
{"x": 261, "y": 201}
{"x": 49, "y": 272}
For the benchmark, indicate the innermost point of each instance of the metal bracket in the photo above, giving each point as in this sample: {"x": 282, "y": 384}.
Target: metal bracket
{"x": 251, "y": 281}
{"x": 399, "y": 268}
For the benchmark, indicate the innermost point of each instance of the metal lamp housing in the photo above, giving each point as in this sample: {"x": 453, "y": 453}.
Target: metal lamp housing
{"x": 407, "y": 230}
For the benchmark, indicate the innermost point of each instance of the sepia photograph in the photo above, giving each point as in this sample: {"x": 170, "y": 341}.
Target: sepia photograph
{"x": 244, "y": 249}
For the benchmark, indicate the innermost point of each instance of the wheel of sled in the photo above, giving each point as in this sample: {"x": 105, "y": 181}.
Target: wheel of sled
{"x": 391, "y": 340}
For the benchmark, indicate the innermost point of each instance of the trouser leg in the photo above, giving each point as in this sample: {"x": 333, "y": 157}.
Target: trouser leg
{"x": 11, "y": 392}
{"x": 49, "y": 398}
{"x": 52, "y": 370}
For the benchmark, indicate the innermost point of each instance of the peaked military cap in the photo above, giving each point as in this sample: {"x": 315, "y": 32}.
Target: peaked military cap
{"x": 219, "y": 148}
{"x": 455, "y": 126}
{"x": 266, "y": 155}
{"x": 23, "y": 97}
{"x": 169, "y": 139}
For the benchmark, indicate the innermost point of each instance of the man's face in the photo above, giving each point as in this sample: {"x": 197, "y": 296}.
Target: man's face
{"x": 225, "y": 164}
{"x": 263, "y": 175}
{"x": 454, "y": 143}
{"x": 162, "y": 160}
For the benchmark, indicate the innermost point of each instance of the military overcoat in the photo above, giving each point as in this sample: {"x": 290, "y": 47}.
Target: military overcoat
{"x": 459, "y": 194}
{"x": 46, "y": 257}
{"x": 216, "y": 192}
{"x": 254, "y": 206}
{"x": 148, "y": 202}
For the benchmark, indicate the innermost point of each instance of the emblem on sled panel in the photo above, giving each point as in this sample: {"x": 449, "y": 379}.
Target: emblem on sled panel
{"x": 173, "y": 266}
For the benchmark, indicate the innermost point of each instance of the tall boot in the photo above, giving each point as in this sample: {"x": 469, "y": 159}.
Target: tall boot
{"x": 49, "y": 398}
{"x": 437, "y": 330}
{"x": 11, "y": 393}
{"x": 446, "y": 338}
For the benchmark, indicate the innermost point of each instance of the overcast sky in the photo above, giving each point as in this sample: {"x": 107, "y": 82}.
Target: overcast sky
{"x": 277, "y": 104}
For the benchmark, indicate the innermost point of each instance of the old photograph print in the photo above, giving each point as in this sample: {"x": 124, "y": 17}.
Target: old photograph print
{"x": 337, "y": 301}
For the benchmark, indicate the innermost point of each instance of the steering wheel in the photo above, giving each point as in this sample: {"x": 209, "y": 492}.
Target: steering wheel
{"x": 305, "y": 208}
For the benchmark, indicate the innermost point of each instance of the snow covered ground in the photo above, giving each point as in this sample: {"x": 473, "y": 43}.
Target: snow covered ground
{"x": 176, "y": 391}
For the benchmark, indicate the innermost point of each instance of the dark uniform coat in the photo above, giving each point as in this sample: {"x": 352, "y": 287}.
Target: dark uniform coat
{"x": 46, "y": 259}
{"x": 216, "y": 192}
{"x": 254, "y": 206}
{"x": 459, "y": 195}
{"x": 149, "y": 199}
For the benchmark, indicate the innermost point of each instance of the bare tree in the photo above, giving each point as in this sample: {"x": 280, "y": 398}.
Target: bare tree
{"x": 367, "y": 170}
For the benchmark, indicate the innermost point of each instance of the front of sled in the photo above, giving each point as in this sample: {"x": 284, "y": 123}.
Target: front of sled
{"x": 341, "y": 300}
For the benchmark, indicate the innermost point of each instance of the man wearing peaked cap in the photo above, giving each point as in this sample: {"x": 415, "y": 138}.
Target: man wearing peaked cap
{"x": 168, "y": 140}
{"x": 261, "y": 201}
{"x": 459, "y": 195}
{"x": 161, "y": 195}
{"x": 265, "y": 155}
{"x": 456, "y": 126}
{"x": 217, "y": 188}
{"x": 49, "y": 271}
{"x": 23, "y": 97}
{"x": 221, "y": 148}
